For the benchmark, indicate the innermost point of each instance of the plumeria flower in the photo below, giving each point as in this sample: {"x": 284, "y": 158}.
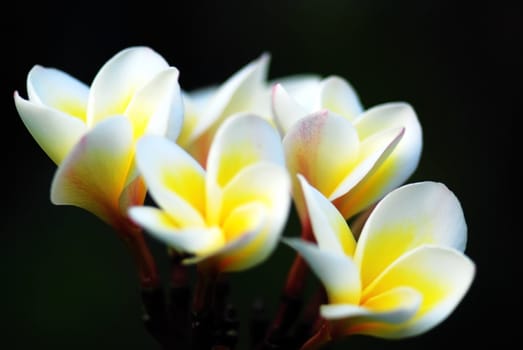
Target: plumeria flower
{"x": 90, "y": 132}
{"x": 208, "y": 107}
{"x": 353, "y": 157}
{"x": 406, "y": 273}
{"x": 246, "y": 91}
{"x": 230, "y": 215}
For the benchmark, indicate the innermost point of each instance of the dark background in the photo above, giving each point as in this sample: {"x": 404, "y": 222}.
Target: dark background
{"x": 67, "y": 281}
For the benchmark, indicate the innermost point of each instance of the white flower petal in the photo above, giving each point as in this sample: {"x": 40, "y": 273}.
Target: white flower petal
{"x": 161, "y": 226}
{"x": 117, "y": 81}
{"x": 174, "y": 179}
{"x": 251, "y": 239}
{"x": 373, "y": 152}
{"x": 194, "y": 103}
{"x": 398, "y": 166}
{"x": 330, "y": 228}
{"x": 337, "y": 272}
{"x": 93, "y": 175}
{"x": 285, "y": 109}
{"x": 441, "y": 275}
{"x": 323, "y": 148}
{"x": 263, "y": 184}
{"x": 240, "y": 141}
{"x": 201, "y": 97}
{"x": 245, "y": 231}
{"x": 377, "y": 316}
{"x": 412, "y": 215}
{"x": 304, "y": 89}
{"x": 392, "y": 306}
{"x": 157, "y": 108}
{"x": 55, "y": 131}
{"x": 339, "y": 97}
{"x": 56, "y": 89}
{"x": 235, "y": 95}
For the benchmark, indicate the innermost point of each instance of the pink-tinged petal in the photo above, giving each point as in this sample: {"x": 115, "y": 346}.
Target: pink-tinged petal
{"x": 412, "y": 215}
{"x": 330, "y": 228}
{"x": 133, "y": 194}
{"x": 92, "y": 176}
{"x": 373, "y": 152}
{"x": 175, "y": 180}
{"x": 337, "y": 272}
{"x": 55, "y": 131}
{"x": 160, "y": 225}
{"x": 240, "y": 141}
{"x": 324, "y": 149}
{"x": 119, "y": 79}
{"x": 441, "y": 275}
{"x": 234, "y": 96}
{"x": 376, "y": 316}
{"x": 398, "y": 166}
{"x": 285, "y": 109}
{"x": 157, "y": 108}
{"x": 339, "y": 97}
{"x": 58, "y": 90}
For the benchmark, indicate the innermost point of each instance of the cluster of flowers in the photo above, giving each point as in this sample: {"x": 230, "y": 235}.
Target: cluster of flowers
{"x": 225, "y": 164}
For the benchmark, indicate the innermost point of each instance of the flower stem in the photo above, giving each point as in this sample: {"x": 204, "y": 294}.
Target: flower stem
{"x": 180, "y": 303}
{"x": 155, "y": 316}
{"x": 258, "y": 322}
{"x": 291, "y": 300}
{"x": 311, "y": 319}
{"x": 202, "y": 309}
{"x": 319, "y": 339}
{"x": 134, "y": 239}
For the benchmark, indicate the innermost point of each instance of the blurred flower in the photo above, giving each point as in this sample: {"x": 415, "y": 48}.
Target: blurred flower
{"x": 90, "y": 132}
{"x": 353, "y": 157}
{"x": 246, "y": 91}
{"x": 232, "y": 214}
{"x": 207, "y": 108}
{"x": 406, "y": 273}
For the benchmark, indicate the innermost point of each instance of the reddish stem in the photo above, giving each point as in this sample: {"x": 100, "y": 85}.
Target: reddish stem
{"x": 291, "y": 303}
{"x": 202, "y": 308}
{"x": 296, "y": 277}
{"x": 319, "y": 339}
{"x": 144, "y": 260}
{"x": 180, "y": 303}
{"x": 179, "y": 273}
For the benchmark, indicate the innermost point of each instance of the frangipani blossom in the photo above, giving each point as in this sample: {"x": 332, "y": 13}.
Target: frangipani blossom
{"x": 90, "y": 132}
{"x": 406, "y": 273}
{"x": 246, "y": 91}
{"x": 231, "y": 214}
{"x": 353, "y": 157}
{"x": 207, "y": 108}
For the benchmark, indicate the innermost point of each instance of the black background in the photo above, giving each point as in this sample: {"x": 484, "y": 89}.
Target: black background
{"x": 68, "y": 283}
